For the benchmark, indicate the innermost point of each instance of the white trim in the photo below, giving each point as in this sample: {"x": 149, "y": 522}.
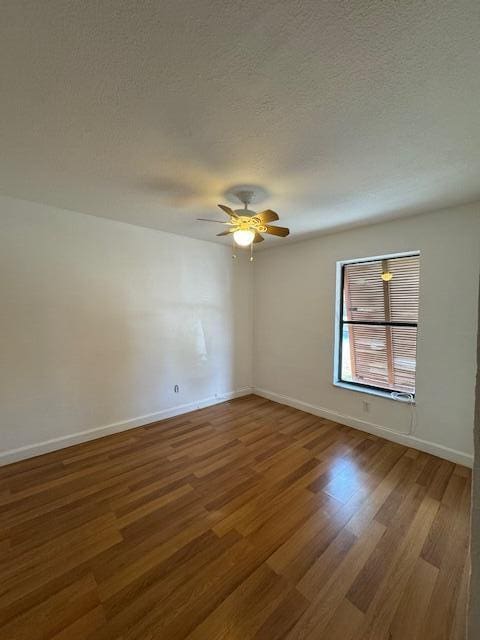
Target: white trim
{"x": 337, "y": 337}
{"x": 459, "y": 457}
{"x": 31, "y": 450}
{"x": 372, "y": 392}
{"x": 387, "y": 256}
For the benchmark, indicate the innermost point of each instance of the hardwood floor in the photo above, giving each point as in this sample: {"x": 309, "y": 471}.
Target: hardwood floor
{"x": 245, "y": 520}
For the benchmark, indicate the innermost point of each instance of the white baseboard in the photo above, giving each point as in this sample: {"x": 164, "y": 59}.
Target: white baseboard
{"x": 14, "y": 455}
{"x": 459, "y": 457}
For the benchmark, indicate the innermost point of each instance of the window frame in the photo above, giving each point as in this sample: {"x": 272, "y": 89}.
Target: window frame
{"x": 340, "y": 323}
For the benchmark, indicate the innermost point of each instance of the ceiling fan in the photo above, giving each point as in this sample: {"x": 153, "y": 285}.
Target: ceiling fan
{"x": 246, "y": 225}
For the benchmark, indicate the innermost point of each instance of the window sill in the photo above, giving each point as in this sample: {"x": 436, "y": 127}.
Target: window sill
{"x": 371, "y": 392}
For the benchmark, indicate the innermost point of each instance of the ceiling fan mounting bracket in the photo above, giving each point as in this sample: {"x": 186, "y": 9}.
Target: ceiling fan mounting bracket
{"x": 247, "y": 194}
{"x": 245, "y": 197}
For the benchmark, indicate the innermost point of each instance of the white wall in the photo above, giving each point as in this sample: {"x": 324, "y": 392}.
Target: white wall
{"x": 99, "y": 320}
{"x": 474, "y": 604}
{"x": 294, "y": 308}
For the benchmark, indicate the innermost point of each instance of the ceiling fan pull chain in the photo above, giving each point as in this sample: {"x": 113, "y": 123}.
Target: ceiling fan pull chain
{"x": 251, "y": 252}
{"x": 234, "y": 255}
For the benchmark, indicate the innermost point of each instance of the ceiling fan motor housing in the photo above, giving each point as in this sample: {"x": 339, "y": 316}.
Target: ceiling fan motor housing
{"x": 247, "y": 220}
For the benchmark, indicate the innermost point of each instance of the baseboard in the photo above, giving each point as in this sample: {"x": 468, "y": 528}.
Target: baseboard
{"x": 459, "y": 457}
{"x": 29, "y": 451}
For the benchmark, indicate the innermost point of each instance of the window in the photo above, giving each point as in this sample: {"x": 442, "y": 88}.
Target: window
{"x": 377, "y": 326}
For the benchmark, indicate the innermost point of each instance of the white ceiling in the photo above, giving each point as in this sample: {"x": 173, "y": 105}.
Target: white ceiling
{"x": 146, "y": 112}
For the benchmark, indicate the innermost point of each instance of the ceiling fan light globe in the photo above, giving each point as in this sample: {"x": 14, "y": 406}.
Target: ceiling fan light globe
{"x": 244, "y": 237}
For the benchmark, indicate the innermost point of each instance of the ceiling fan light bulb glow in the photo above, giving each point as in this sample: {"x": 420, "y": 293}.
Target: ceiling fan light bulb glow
{"x": 244, "y": 237}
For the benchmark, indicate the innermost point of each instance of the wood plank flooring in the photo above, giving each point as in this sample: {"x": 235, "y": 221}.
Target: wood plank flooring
{"x": 245, "y": 520}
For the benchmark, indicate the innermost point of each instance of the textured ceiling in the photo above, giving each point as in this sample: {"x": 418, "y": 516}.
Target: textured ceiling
{"x": 146, "y": 112}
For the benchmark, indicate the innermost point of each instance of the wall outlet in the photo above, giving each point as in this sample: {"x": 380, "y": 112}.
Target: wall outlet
{"x": 366, "y": 406}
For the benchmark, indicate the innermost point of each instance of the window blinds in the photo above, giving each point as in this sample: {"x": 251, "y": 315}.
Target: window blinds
{"x": 379, "y": 323}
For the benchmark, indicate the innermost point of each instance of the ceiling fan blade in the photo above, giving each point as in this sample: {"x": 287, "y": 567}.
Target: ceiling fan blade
{"x": 228, "y": 211}
{"x": 258, "y": 238}
{"x": 267, "y": 216}
{"x": 277, "y": 231}
{"x": 226, "y": 233}
{"x": 210, "y": 220}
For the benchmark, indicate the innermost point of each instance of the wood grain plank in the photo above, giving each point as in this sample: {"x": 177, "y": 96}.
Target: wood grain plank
{"x": 412, "y": 608}
{"x": 246, "y": 519}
